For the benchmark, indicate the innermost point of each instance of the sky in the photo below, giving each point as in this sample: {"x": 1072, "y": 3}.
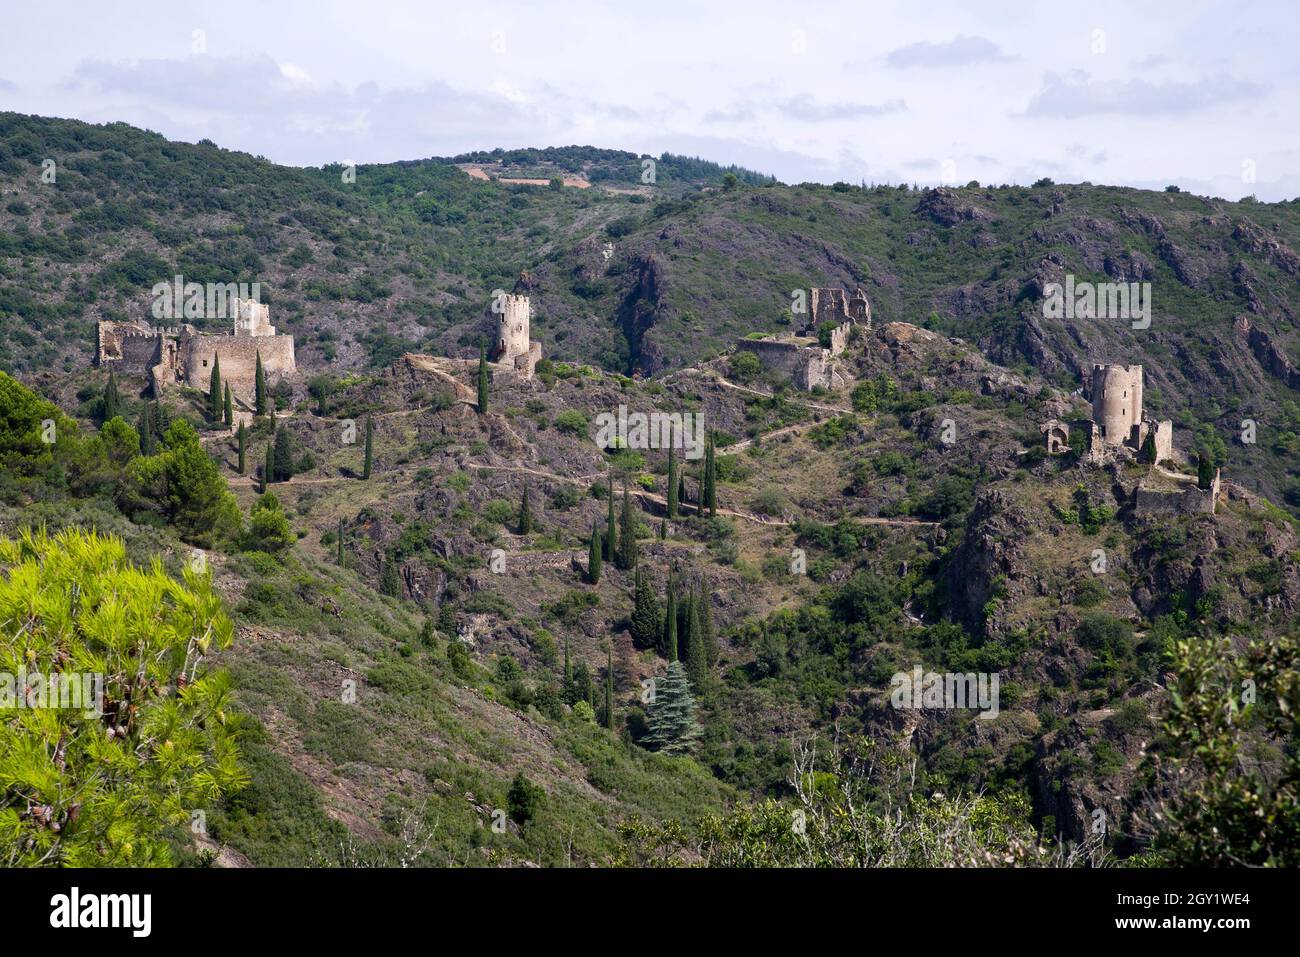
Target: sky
{"x": 1204, "y": 95}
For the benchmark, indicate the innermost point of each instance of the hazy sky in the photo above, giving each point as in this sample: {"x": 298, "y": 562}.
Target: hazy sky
{"x": 1202, "y": 94}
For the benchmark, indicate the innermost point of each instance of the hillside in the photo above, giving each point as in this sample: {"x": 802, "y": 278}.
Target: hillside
{"x": 428, "y": 671}
{"x": 649, "y": 279}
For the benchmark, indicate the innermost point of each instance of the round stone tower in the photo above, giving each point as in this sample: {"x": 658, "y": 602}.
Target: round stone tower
{"x": 1116, "y": 400}
{"x": 512, "y": 328}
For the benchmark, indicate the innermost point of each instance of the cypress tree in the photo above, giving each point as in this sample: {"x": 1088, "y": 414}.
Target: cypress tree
{"x": 228, "y": 409}
{"x": 268, "y": 470}
{"x": 611, "y": 536}
{"x": 447, "y": 620}
{"x": 670, "y": 622}
{"x": 681, "y": 488}
{"x": 112, "y": 398}
{"x": 390, "y": 583}
{"x": 663, "y": 529}
{"x": 145, "y": 426}
{"x": 283, "y": 461}
{"x": 370, "y": 447}
{"x": 482, "y": 379}
{"x": 525, "y": 514}
{"x": 214, "y": 390}
{"x": 1204, "y": 471}
{"x": 593, "y": 556}
{"x": 627, "y": 534}
{"x": 609, "y": 687}
{"x": 672, "y": 478}
{"x": 707, "y": 635}
{"x": 673, "y": 728}
{"x": 260, "y": 405}
{"x": 697, "y": 660}
{"x": 710, "y": 500}
{"x": 647, "y": 617}
{"x": 241, "y": 439}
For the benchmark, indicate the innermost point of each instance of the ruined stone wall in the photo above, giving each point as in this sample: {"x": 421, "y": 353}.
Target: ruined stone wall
{"x": 806, "y": 366}
{"x": 238, "y": 357}
{"x": 1187, "y": 501}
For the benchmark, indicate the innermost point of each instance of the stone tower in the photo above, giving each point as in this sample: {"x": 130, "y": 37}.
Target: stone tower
{"x": 1117, "y": 401}
{"x": 512, "y": 329}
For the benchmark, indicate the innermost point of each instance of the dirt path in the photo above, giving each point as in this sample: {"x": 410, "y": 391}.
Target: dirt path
{"x": 728, "y": 384}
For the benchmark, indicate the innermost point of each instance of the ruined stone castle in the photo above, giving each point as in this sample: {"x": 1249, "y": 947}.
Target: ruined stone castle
{"x": 1118, "y": 421}
{"x": 801, "y": 355}
{"x": 1119, "y": 430}
{"x": 181, "y": 355}
{"x": 513, "y": 346}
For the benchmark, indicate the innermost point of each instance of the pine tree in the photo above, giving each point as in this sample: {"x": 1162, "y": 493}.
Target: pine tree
{"x": 370, "y": 447}
{"x": 268, "y": 470}
{"x": 670, "y": 622}
{"x": 647, "y": 617}
{"x": 482, "y": 379}
{"x": 214, "y": 390}
{"x": 340, "y": 542}
{"x": 710, "y": 497}
{"x": 593, "y": 557}
{"x": 260, "y": 405}
{"x": 525, "y": 514}
{"x": 241, "y": 440}
{"x": 627, "y": 534}
{"x": 673, "y": 728}
{"x": 282, "y": 465}
{"x": 609, "y": 687}
{"x": 112, "y": 398}
{"x": 611, "y": 537}
{"x": 672, "y": 478}
{"x": 228, "y": 409}
{"x": 390, "y": 583}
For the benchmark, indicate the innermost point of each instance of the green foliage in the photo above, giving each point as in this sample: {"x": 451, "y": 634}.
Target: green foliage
{"x": 268, "y": 527}
{"x": 182, "y": 484}
{"x": 673, "y": 725}
{"x": 1229, "y": 808}
{"x": 87, "y": 789}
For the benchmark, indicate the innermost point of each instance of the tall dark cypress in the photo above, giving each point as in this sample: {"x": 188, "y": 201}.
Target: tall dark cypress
{"x": 609, "y": 687}
{"x": 710, "y": 479}
{"x": 672, "y": 478}
{"x": 670, "y": 622}
{"x": 214, "y": 390}
{"x": 145, "y": 426}
{"x": 228, "y": 409}
{"x": 241, "y": 438}
{"x": 268, "y": 469}
{"x": 593, "y": 556}
{"x": 611, "y": 535}
{"x": 525, "y": 514}
{"x": 112, "y": 398}
{"x": 260, "y": 405}
{"x": 370, "y": 447}
{"x": 627, "y": 534}
{"x": 482, "y": 379}
{"x": 282, "y": 469}
{"x": 696, "y": 657}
